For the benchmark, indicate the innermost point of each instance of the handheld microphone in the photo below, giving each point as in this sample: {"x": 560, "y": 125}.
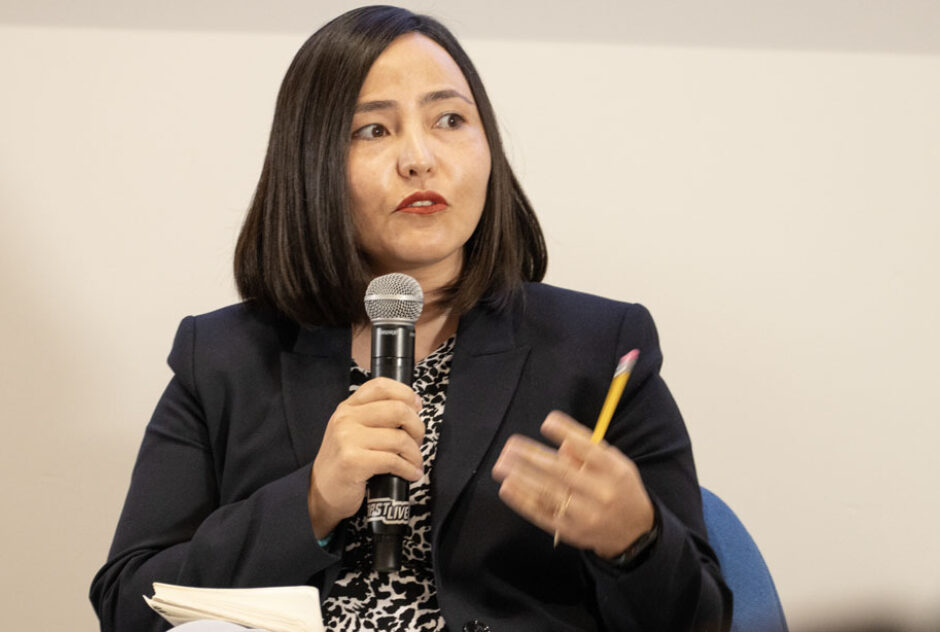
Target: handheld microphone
{"x": 393, "y": 303}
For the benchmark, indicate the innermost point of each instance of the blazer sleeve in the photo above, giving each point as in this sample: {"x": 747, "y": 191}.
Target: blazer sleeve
{"x": 174, "y": 529}
{"x": 678, "y": 585}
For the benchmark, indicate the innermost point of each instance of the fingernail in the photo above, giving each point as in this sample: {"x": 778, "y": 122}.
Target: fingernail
{"x": 418, "y": 402}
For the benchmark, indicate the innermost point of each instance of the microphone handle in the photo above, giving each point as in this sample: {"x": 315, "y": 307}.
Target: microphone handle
{"x": 387, "y": 506}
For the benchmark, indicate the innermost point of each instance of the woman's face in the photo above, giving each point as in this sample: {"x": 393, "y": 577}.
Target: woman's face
{"x": 418, "y": 163}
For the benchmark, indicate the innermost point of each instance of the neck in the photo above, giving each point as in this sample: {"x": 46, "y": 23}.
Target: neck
{"x": 432, "y": 280}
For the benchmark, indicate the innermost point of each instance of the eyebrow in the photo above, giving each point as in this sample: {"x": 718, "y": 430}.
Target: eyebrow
{"x": 430, "y": 97}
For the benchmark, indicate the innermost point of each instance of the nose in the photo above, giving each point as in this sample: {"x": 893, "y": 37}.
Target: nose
{"x": 415, "y": 157}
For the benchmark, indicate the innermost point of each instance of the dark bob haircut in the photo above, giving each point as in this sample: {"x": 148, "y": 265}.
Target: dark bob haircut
{"x": 297, "y": 253}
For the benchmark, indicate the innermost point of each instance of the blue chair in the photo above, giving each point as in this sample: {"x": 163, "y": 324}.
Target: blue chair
{"x": 756, "y": 603}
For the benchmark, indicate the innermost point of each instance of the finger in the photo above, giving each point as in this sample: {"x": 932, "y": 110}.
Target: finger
{"x": 386, "y": 414}
{"x": 381, "y": 388}
{"x": 568, "y": 504}
{"x": 521, "y": 450}
{"x": 542, "y": 463}
{"x": 596, "y": 485}
{"x": 355, "y": 465}
{"x": 394, "y": 441}
{"x": 542, "y": 483}
{"x": 548, "y": 486}
{"x": 558, "y": 426}
{"x": 553, "y": 512}
{"x": 382, "y": 462}
{"x": 572, "y": 517}
{"x": 530, "y": 498}
{"x": 574, "y": 441}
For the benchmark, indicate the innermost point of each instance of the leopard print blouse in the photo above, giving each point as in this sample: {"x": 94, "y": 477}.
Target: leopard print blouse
{"x": 363, "y": 599}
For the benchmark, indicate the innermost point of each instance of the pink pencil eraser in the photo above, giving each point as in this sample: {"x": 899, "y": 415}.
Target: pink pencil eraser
{"x": 627, "y": 362}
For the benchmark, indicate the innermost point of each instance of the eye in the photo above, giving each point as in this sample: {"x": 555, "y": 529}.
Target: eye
{"x": 451, "y": 120}
{"x": 370, "y": 132}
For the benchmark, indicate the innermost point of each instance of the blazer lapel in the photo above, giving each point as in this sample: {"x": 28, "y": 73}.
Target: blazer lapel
{"x": 315, "y": 377}
{"x": 484, "y": 376}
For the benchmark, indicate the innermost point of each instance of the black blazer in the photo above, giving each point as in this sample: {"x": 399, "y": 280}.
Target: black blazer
{"x": 218, "y": 494}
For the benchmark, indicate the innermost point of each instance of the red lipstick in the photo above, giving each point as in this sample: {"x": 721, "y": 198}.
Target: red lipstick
{"x": 423, "y": 203}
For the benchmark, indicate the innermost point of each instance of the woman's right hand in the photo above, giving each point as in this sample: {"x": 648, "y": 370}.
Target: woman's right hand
{"x": 376, "y": 430}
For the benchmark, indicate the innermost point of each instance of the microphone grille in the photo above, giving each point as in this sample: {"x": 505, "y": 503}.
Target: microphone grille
{"x": 394, "y": 296}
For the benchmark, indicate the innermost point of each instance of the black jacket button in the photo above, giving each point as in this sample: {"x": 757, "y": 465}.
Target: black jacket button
{"x": 475, "y": 626}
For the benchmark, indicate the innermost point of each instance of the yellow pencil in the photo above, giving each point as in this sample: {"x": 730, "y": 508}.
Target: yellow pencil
{"x": 617, "y": 384}
{"x": 621, "y": 375}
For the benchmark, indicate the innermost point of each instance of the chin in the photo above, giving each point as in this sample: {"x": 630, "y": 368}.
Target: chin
{"x": 418, "y": 264}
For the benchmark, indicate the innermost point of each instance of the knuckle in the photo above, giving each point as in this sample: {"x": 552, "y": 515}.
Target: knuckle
{"x": 393, "y": 463}
{"x": 626, "y": 463}
{"x": 595, "y": 522}
{"x": 629, "y": 477}
{"x": 372, "y": 388}
{"x": 341, "y": 415}
{"x": 607, "y": 497}
{"x": 387, "y": 386}
{"x": 403, "y": 410}
{"x": 346, "y": 452}
{"x": 404, "y": 443}
{"x": 342, "y": 433}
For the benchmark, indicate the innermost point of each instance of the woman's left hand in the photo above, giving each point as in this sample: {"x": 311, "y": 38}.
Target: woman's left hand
{"x": 589, "y": 494}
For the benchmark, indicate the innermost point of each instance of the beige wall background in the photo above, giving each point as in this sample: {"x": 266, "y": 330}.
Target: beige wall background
{"x": 771, "y": 195}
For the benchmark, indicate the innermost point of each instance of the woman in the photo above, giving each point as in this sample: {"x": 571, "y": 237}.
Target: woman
{"x": 385, "y": 156}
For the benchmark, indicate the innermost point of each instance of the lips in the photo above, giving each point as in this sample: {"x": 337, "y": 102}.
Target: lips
{"x": 423, "y": 203}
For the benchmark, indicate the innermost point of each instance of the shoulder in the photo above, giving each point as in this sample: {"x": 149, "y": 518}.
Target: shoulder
{"x": 236, "y": 328}
{"x": 228, "y": 338}
{"x": 546, "y": 306}
{"x": 573, "y": 299}
{"x": 583, "y": 331}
